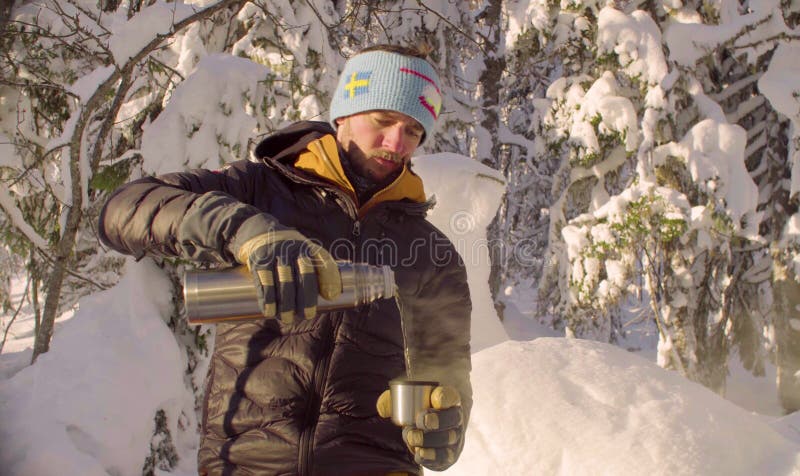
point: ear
(339, 121)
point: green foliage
(584, 159)
(645, 227)
(645, 221)
(595, 121)
(109, 177)
(710, 12)
(608, 60)
(14, 240)
(163, 454)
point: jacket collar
(321, 159)
(310, 148)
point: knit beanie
(389, 81)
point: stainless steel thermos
(213, 296)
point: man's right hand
(289, 271)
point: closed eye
(414, 132)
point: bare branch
(16, 313)
(72, 272)
(469, 37)
(782, 36)
(14, 217)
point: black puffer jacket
(301, 399)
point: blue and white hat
(389, 81)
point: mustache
(387, 155)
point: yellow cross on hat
(357, 80)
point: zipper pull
(356, 228)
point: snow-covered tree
(661, 137)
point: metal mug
(409, 398)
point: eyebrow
(397, 116)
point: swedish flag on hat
(389, 81)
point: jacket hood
(285, 144)
(311, 147)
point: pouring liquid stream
(405, 332)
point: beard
(370, 165)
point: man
(296, 393)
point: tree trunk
(62, 260)
(787, 336)
(491, 82)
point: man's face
(378, 143)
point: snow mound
(88, 405)
(468, 194)
(576, 407)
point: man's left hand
(437, 438)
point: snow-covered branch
(17, 219)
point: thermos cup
(213, 296)
(409, 397)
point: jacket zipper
(305, 466)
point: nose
(394, 138)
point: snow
(14, 215)
(189, 131)
(6, 147)
(714, 154)
(600, 103)
(688, 40)
(132, 35)
(576, 407)
(521, 15)
(85, 86)
(87, 406)
(636, 39)
(781, 86)
(467, 196)
(544, 404)
(781, 82)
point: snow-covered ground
(544, 404)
